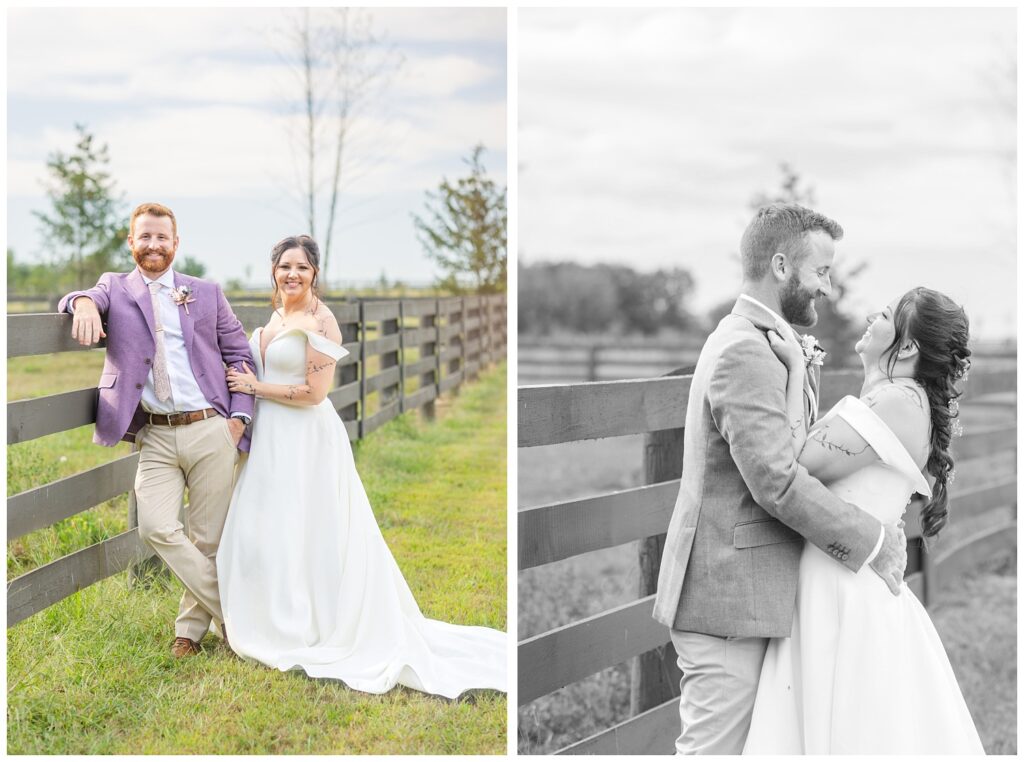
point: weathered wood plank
(345, 312)
(41, 333)
(352, 429)
(390, 343)
(450, 353)
(344, 395)
(966, 503)
(450, 381)
(34, 418)
(554, 659)
(383, 380)
(983, 442)
(651, 732)
(381, 417)
(374, 311)
(569, 413)
(50, 503)
(42, 587)
(552, 532)
(419, 307)
(990, 380)
(951, 564)
(449, 331)
(426, 364)
(420, 397)
(418, 335)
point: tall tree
(87, 227)
(464, 230)
(340, 65)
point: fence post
(346, 374)
(362, 367)
(460, 361)
(655, 674)
(431, 377)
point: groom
(163, 387)
(729, 571)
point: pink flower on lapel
(182, 296)
(813, 353)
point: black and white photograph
(766, 368)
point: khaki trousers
(201, 456)
(717, 690)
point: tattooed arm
(834, 449)
(319, 369)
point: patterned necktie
(161, 381)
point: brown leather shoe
(184, 647)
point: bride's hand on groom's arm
(241, 382)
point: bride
(306, 579)
(864, 671)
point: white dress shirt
(185, 392)
(782, 321)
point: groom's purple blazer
(213, 337)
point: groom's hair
(157, 210)
(781, 228)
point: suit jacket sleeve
(234, 350)
(747, 398)
(100, 294)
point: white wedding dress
(306, 579)
(864, 671)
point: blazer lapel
(765, 320)
(139, 291)
(187, 326)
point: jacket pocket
(751, 534)
(107, 381)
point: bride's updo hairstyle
(939, 328)
(312, 252)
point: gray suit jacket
(734, 542)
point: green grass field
(93, 674)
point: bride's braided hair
(939, 328)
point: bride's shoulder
(322, 322)
(903, 406)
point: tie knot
(154, 287)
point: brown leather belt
(180, 419)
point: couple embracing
(282, 549)
(782, 575)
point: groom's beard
(798, 303)
(152, 264)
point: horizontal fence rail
(557, 414)
(433, 345)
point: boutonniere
(182, 296)
(813, 353)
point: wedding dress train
(864, 671)
(306, 579)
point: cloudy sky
(644, 134)
(196, 107)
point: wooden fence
(657, 408)
(557, 361)
(454, 339)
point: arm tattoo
(821, 436)
(294, 390)
(796, 426)
(314, 367)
